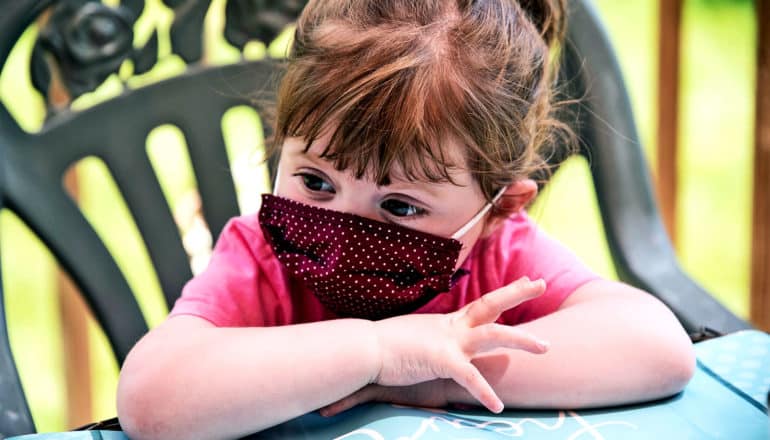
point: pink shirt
(245, 285)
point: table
(726, 399)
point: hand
(430, 394)
(422, 347)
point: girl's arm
(609, 344)
(189, 379)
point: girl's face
(436, 208)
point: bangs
(420, 88)
(382, 102)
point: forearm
(213, 382)
(619, 347)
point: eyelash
(306, 176)
(417, 211)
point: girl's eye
(401, 209)
(315, 183)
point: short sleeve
(243, 284)
(535, 254)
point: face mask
(359, 267)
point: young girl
(394, 261)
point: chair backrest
(640, 247)
(116, 131)
(82, 42)
(87, 41)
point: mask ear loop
(472, 222)
(277, 179)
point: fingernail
(543, 345)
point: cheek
(287, 189)
(469, 240)
(290, 190)
(285, 186)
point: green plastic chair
(90, 40)
(640, 247)
(16, 418)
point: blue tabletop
(726, 399)
(742, 360)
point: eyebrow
(312, 157)
(419, 186)
(427, 187)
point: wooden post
(760, 253)
(75, 343)
(670, 21)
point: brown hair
(393, 79)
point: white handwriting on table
(505, 428)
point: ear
(516, 197)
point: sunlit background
(714, 212)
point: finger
(342, 405)
(361, 396)
(468, 376)
(488, 337)
(490, 306)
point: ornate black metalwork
(147, 56)
(86, 41)
(187, 29)
(259, 20)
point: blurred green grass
(716, 134)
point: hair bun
(548, 16)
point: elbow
(681, 368)
(668, 351)
(133, 423)
(676, 366)
(138, 415)
(145, 401)
(151, 402)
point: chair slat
(42, 204)
(248, 83)
(136, 178)
(212, 169)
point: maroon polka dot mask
(358, 267)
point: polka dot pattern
(741, 358)
(358, 267)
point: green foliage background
(717, 96)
